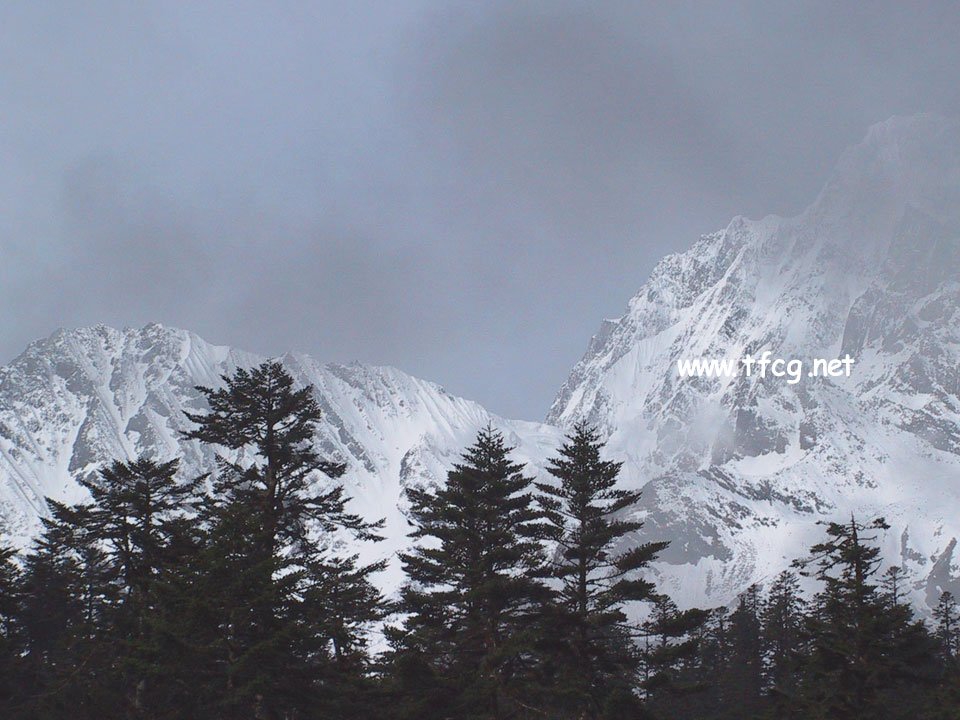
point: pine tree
(67, 597)
(473, 591)
(783, 620)
(260, 414)
(178, 652)
(707, 675)
(340, 606)
(945, 701)
(135, 511)
(11, 632)
(868, 657)
(672, 680)
(743, 676)
(893, 582)
(947, 632)
(719, 673)
(268, 509)
(584, 509)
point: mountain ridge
(735, 471)
(738, 467)
(78, 399)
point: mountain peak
(904, 161)
(83, 397)
(926, 127)
(735, 471)
(739, 467)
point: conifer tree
(584, 510)
(947, 629)
(945, 701)
(135, 510)
(743, 678)
(783, 619)
(134, 505)
(706, 679)
(272, 500)
(67, 597)
(11, 632)
(670, 658)
(893, 582)
(867, 656)
(260, 414)
(179, 651)
(340, 605)
(473, 591)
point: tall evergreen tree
(11, 633)
(945, 701)
(743, 676)
(473, 590)
(783, 619)
(179, 651)
(271, 425)
(673, 683)
(268, 508)
(585, 509)
(868, 657)
(136, 510)
(67, 599)
(947, 629)
(340, 604)
(893, 582)
(714, 648)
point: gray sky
(462, 190)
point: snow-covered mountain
(738, 469)
(80, 398)
(735, 471)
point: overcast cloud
(462, 190)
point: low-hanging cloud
(459, 190)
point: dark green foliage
(893, 584)
(944, 703)
(260, 413)
(12, 637)
(868, 658)
(165, 598)
(671, 657)
(474, 594)
(161, 600)
(270, 652)
(138, 509)
(92, 596)
(782, 618)
(947, 629)
(339, 603)
(594, 647)
(67, 601)
(742, 679)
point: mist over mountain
(735, 471)
(738, 468)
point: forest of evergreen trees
(224, 597)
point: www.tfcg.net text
(763, 365)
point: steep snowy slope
(81, 398)
(737, 470)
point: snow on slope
(738, 470)
(735, 471)
(81, 398)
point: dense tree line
(225, 597)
